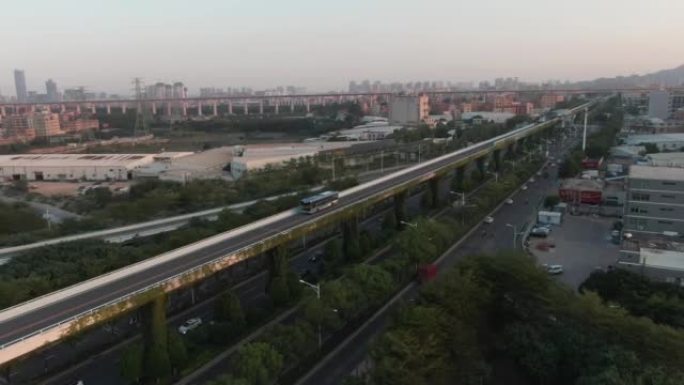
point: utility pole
(140, 118)
(584, 135)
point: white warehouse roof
(128, 161)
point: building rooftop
(584, 184)
(74, 160)
(656, 173)
(656, 138)
(665, 259)
(665, 157)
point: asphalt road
(45, 316)
(500, 237)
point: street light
(462, 194)
(414, 225)
(515, 234)
(317, 289)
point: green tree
(131, 365)
(259, 363)
(178, 353)
(228, 379)
(157, 363)
(228, 309)
(551, 201)
(651, 148)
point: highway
(18, 322)
(351, 355)
(103, 367)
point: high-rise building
(20, 84)
(410, 110)
(663, 104)
(52, 93)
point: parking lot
(580, 244)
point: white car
(509, 201)
(553, 269)
(532, 180)
(539, 173)
(192, 323)
(488, 220)
(524, 187)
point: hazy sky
(323, 44)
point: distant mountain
(666, 78)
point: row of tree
(501, 319)
(286, 349)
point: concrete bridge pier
(109, 109)
(230, 107)
(276, 108)
(123, 108)
(214, 109)
(154, 108)
(245, 107)
(199, 108)
(261, 107)
(400, 208)
(350, 235)
(434, 191)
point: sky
(322, 44)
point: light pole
(317, 289)
(462, 194)
(414, 225)
(515, 234)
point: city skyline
(323, 47)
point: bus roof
(318, 196)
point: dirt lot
(51, 189)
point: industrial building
(666, 159)
(655, 200)
(479, 117)
(665, 142)
(581, 191)
(250, 158)
(64, 167)
(653, 232)
(409, 110)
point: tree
(157, 363)
(651, 148)
(259, 363)
(132, 363)
(228, 309)
(551, 201)
(178, 354)
(228, 379)
(279, 291)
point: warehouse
(62, 167)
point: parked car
(509, 201)
(524, 187)
(488, 220)
(540, 232)
(532, 180)
(553, 269)
(192, 323)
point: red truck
(427, 272)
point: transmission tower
(141, 126)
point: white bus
(319, 201)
